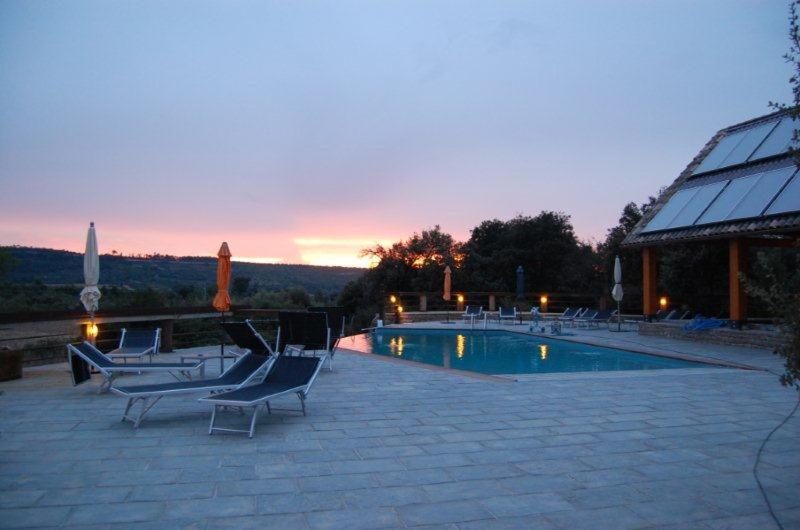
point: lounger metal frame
(513, 317)
(152, 350)
(109, 373)
(301, 391)
(149, 399)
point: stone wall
(755, 338)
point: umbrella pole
(221, 346)
(619, 317)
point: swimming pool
(501, 352)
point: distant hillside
(61, 267)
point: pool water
(500, 352)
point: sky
(303, 132)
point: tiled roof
(788, 223)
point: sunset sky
(302, 132)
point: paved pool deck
(393, 444)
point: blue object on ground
(700, 323)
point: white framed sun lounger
(247, 369)
(287, 375)
(507, 313)
(135, 344)
(90, 355)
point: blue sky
(304, 131)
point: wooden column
(166, 335)
(737, 261)
(649, 282)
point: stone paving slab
(399, 445)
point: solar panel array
(767, 139)
(765, 193)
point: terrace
(394, 444)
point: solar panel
(778, 141)
(714, 159)
(721, 208)
(761, 194)
(671, 209)
(697, 204)
(748, 144)
(788, 200)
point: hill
(60, 267)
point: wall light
(460, 299)
(399, 309)
(543, 299)
(662, 302)
(393, 299)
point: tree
(779, 284)
(240, 286)
(545, 245)
(6, 263)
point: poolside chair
(90, 357)
(568, 320)
(473, 313)
(507, 313)
(245, 337)
(304, 332)
(337, 321)
(244, 371)
(600, 317)
(675, 315)
(585, 317)
(663, 314)
(136, 343)
(568, 314)
(287, 375)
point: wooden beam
(649, 281)
(737, 262)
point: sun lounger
(136, 343)
(337, 320)
(287, 375)
(473, 313)
(663, 314)
(245, 337)
(585, 317)
(507, 313)
(600, 317)
(88, 356)
(579, 313)
(247, 369)
(568, 314)
(306, 332)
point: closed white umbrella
(90, 295)
(616, 292)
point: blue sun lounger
(84, 356)
(244, 371)
(287, 375)
(136, 343)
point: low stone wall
(754, 338)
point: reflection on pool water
(501, 352)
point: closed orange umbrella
(222, 300)
(448, 283)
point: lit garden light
(543, 303)
(92, 331)
(663, 302)
(393, 299)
